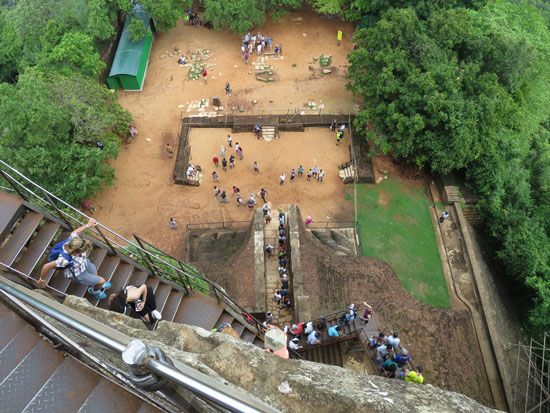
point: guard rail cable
(213, 391)
(118, 244)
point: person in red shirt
(297, 329)
(216, 161)
(204, 74)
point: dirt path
(143, 198)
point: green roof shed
(131, 58)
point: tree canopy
(241, 16)
(465, 89)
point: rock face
(314, 387)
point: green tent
(131, 58)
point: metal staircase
(34, 219)
(35, 377)
(329, 350)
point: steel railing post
(13, 185)
(61, 215)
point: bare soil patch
(143, 197)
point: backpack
(58, 250)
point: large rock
(315, 387)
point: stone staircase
(35, 377)
(27, 233)
(272, 279)
(347, 173)
(195, 179)
(472, 216)
(269, 133)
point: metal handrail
(204, 386)
(123, 249)
(32, 280)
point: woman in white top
(139, 300)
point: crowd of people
(226, 158)
(313, 333)
(282, 294)
(258, 43)
(393, 360)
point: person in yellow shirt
(415, 376)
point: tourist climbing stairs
(329, 350)
(272, 278)
(269, 133)
(36, 377)
(27, 233)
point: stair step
(11, 208)
(119, 280)
(248, 336)
(65, 390)
(153, 283)
(198, 310)
(225, 317)
(161, 295)
(23, 382)
(10, 326)
(138, 277)
(237, 326)
(37, 248)
(107, 397)
(17, 348)
(19, 238)
(172, 304)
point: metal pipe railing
(9, 268)
(123, 246)
(203, 386)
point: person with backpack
(139, 300)
(70, 255)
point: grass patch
(395, 226)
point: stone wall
(314, 387)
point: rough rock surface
(321, 387)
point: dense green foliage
(241, 16)
(50, 124)
(467, 89)
(355, 10)
(53, 110)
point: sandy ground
(143, 196)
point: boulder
(320, 388)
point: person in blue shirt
(314, 338)
(334, 331)
(402, 358)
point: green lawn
(395, 226)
